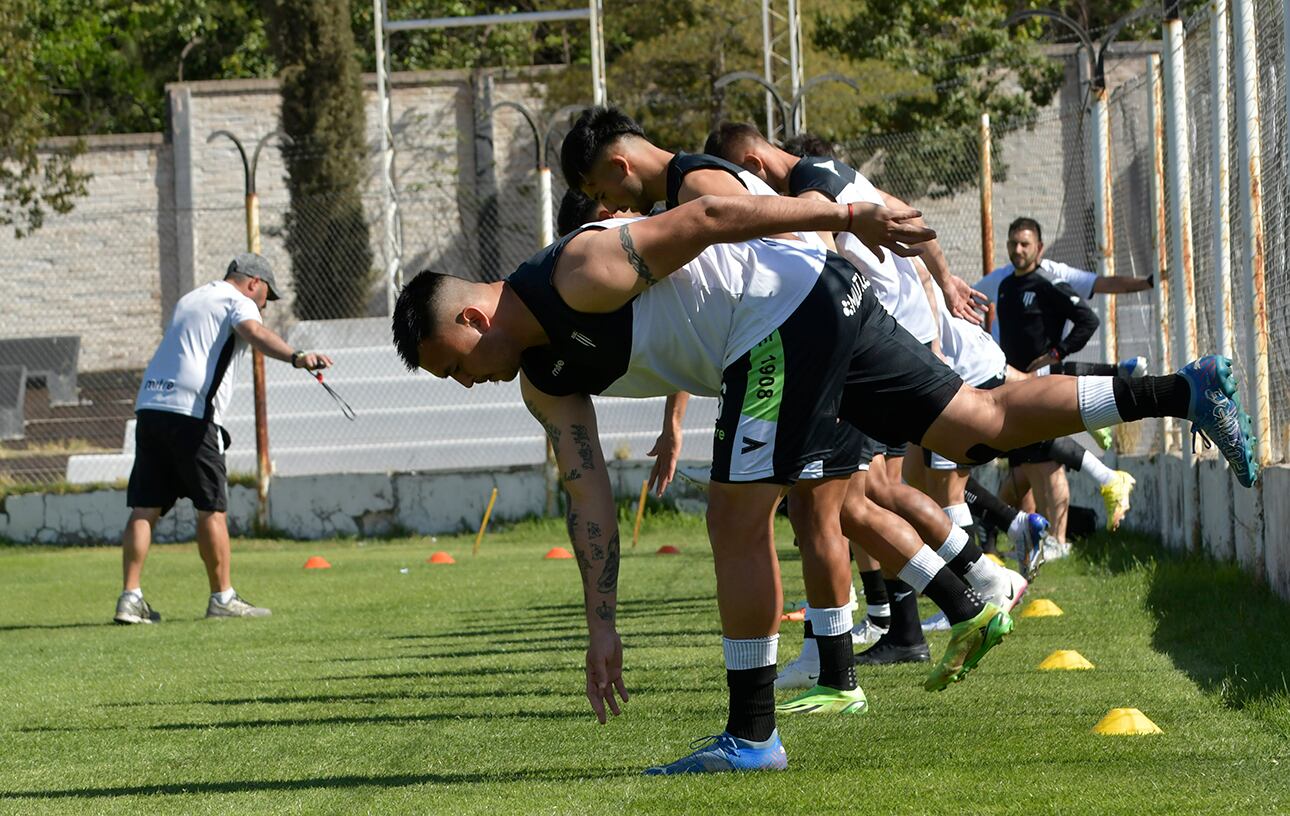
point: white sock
(225, 596)
(1017, 529)
(953, 545)
(982, 574)
(959, 515)
(1097, 402)
(136, 593)
(919, 570)
(1094, 467)
(750, 653)
(879, 610)
(829, 622)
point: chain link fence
(72, 347)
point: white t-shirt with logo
(193, 370)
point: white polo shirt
(193, 370)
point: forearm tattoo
(634, 257)
(552, 430)
(605, 612)
(582, 439)
(609, 576)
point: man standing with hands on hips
(179, 434)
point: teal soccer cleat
(1215, 413)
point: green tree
(322, 113)
(970, 64)
(32, 181)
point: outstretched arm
(570, 424)
(600, 271)
(1120, 285)
(963, 301)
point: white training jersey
(678, 335)
(971, 352)
(193, 370)
(1081, 280)
(895, 279)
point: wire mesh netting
(468, 201)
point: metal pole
(1160, 301)
(1177, 160)
(598, 92)
(987, 199)
(767, 67)
(389, 204)
(1103, 204)
(1252, 272)
(1219, 192)
(795, 65)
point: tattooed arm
(601, 270)
(592, 519)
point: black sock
(875, 595)
(977, 537)
(1068, 452)
(752, 703)
(955, 598)
(837, 661)
(961, 563)
(989, 506)
(809, 633)
(905, 629)
(1142, 397)
(1086, 369)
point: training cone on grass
(1065, 659)
(1041, 608)
(1125, 722)
(317, 562)
(440, 557)
(795, 615)
(667, 549)
(557, 552)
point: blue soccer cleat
(1029, 547)
(1133, 367)
(723, 753)
(1215, 413)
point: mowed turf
(458, 689)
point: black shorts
(852, 452)
(777, 419)
(895, 387)
(177, 456)
(1031, 454)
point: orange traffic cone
(558, 552)
(668, 549)
(440, 557)
(317, 562)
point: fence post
(1160, 301)
(987, 199)
(1177, 166)
(1219, 187)
(1103, 213)
(1252, 271)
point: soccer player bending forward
(792, 340)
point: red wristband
(851, 213)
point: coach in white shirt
(179, 433)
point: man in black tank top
(476, 332)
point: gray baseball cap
(254, 266)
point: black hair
(595, 129)
(728, 136)
(1026, 223)
(808, 144)
(576, 209)
(414, 313)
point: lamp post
(263, 469)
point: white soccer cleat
(1004, 588)
(801, 673)
(1055, 550)
(866, 632)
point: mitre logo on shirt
(583, 339)
(828, 165)
(1027, 299)
(557, 368)
(158, 385)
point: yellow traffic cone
(1065, 659)
(1041, 608)
(1125, 721)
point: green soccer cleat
(969, 641)
(1115, 496)
(826, 700)
(1103, 437)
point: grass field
(457, 689)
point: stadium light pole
(263, 467)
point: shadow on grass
(1217, 624)
(22, 627)
(324, 783)
(304, 722)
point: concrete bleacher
(405, 421)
